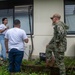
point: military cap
(55, 15)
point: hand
(53, 58)
(7, 51)
(50, 63)
(47, 46)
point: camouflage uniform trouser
(59, 58)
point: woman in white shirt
(3, 29)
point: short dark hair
(16, 22)
(3, 19)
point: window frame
(12, 4)
(68, 2)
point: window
(70, 15)
(22, 10)
(24, 14)
(8, 13)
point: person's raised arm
(1, 31)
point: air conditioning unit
(27, 51)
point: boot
(50, 62)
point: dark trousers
(15, 60)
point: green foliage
(38, 74)
(34, 62)
(70, 65)
(3, 69)
(69, 62)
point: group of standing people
(12, 41)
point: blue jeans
(3, 51)
(15, 60)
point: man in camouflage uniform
(58, 44)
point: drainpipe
(29, 13)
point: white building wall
(43, 30)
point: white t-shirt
(2, 27)
(16, 37)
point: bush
(69, 62)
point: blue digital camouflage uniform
(58, 45)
